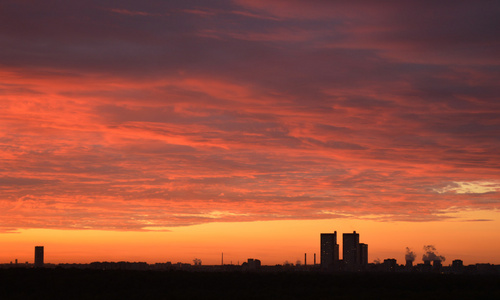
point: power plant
(354, 259)
(354, 253)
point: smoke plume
(430, 255)
(410, 255)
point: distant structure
(409, 264)
(363, 255)
(409, 258)
(38, 256)
(354, 253)
(251, 265)
(437, 265)
(329, 251)
(431, 255)
(350, 253)
(197, 262)
(457, 266)
(457, 263)
(390, 265)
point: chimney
(409, 263)
(436, 265)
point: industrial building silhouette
(354, 253)
(38, 256)
(354, 259)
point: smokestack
(409, 257)
(222, 259)
(305, 259)
(437, 264)
(314, 258)
(409, 263)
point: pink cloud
(131, 13)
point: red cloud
(303, 113)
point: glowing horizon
(141, 121)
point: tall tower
(350, 253)
(329, 250)
(38, 256)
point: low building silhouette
(251, 265)
(437, 265)
(457, 266)
(390, 265)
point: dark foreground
(93, 284)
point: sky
(168, 130)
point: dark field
(92, 284)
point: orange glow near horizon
(273, 242)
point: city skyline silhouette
(167, 131)
(355, 258)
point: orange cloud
(139, 120)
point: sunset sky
(167, 130)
